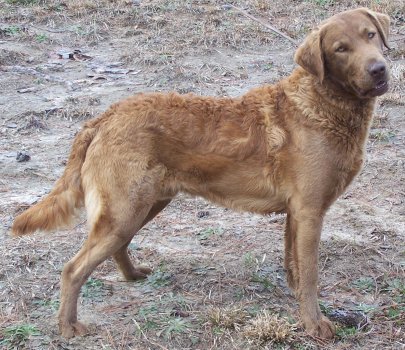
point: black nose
(377, 69)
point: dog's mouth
(379, 89)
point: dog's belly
(252, 204)
(252, 195)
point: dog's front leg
(290, 254)
(308, 225)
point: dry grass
(268, 328)
(229, 317)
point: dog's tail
(58, 207)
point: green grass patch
(12, 30)
(325, 308)
(174, 327)
(383, 136)
(159, 317)
(393, 312)
(160, 277)
(50, 304)
(263, 281)
(364, 284)
(206, 234)
(14, 337)
(367, 309)
(249, 260)
(41, 38)
(93, 288)
(345, 332)
(395, 286)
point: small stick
(263, 23)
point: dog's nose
(377, 69)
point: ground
(218, 280)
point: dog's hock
(309, 55)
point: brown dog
(292, 147)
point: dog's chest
(345, 162)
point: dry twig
(264, 24)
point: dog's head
(347, 49)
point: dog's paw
(138, 273)
(323, 328)
(70, 330)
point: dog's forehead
(350, 16)
(350, 24)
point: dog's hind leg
(105, 239)
(117, 208)
(131, 272)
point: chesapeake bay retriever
(292, 147)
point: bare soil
(218, 281)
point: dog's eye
(371, 35)
(341, 49)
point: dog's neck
(323, 107)
(333, 99)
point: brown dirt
(218, 277)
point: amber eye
(341, 49)
(371, 35)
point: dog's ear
(309, 55)
(382, 22)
